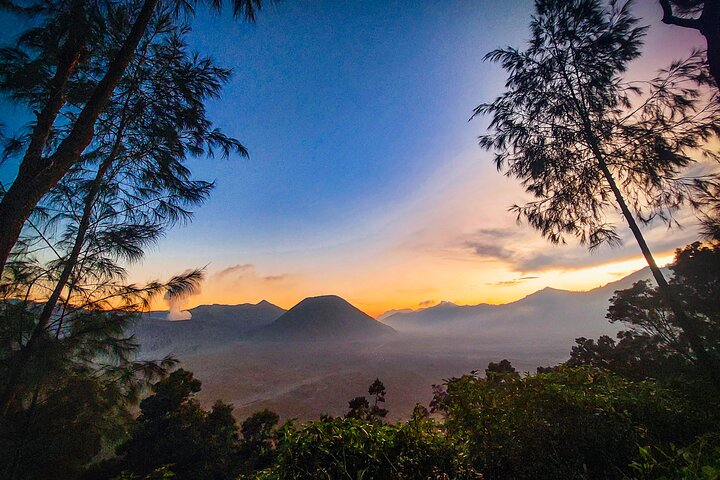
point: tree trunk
(36, 176)
(23, 357)
(710, 28)
(708, 24)
(70, 54)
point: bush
(352, 448)
(569, 423)
(697, 461)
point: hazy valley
(313, 358)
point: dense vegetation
(119, 98)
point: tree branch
(670, 19)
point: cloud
(247, 282)
(245, 271)
(427, 303)
(491, 243)
(236, 270)
(526, 251)
(489, 250)
(541, 261)
(496, 233)
(514, 281)
(274, 278)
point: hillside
(324, 318)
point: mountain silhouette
(324, 318)
(550, 315)
(210, 326)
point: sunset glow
(377, 191)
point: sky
(364, 178)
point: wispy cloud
(235, 271)
(489, 250)
(426, 303)
(274, 278)
(512, 282)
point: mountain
(325, 318)
(242, 318)
(210, 326)
(548, 316)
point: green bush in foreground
(568, 423)
(698, 461)
(360, 449)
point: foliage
(72, 398)
(174, 431)
(360, 408)
(654, 345)
(161, 473)
(587, 145)
(584, 142)
(697, 461)
(258, 440)
(71, 44)
(570, 423)
(377, 389)
(66, 304)
(360, 449)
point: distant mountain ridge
(549, 315)
(324, 318)
(210, 326)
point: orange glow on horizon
(469, 285)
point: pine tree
(583, 142)
(67, 50)
(129, 188)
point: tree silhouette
(173, 429)
(131, 185)
(499, 372)
(583, 142)
(69, 55)
(74, 397)
(358, 408)
(700, 15)
(654, 345)
(377, 389)
(258, 437)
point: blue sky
(345, 107)
(364, 178)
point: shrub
(569, 423)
